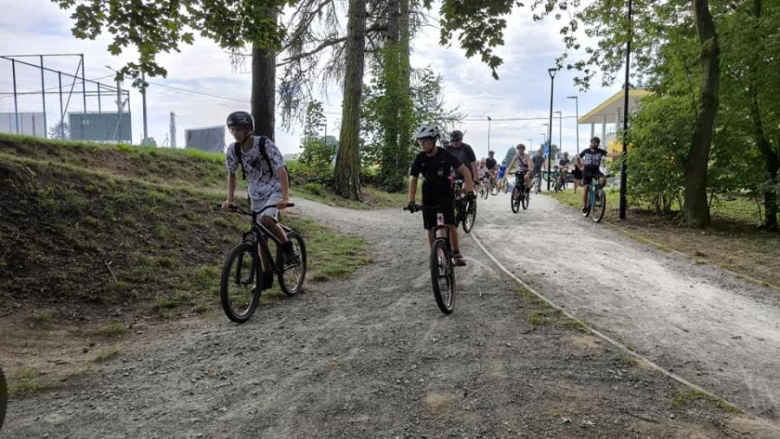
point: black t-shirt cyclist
(436, 171)
(592, 160)
(466, 156)
(490, 163)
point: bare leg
(453, 236)
(273, 226)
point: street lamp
(530, 145)
(560, 131)
(623, 185)
(577, 121)
(489, 120)
(551, 71)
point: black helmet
(240, 118)
(456, 135)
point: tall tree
(346, 181)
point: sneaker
(459, 260)
(584, 210)
(290, 258)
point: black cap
(456, 135)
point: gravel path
(717, 331)
(372, 356)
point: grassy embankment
(732, 242)
(88, 228)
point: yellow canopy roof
(611, 106)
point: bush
(314, 188)
(302, 173)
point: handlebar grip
(290, 204)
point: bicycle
(597, 201)
(3, 397)
(242, 274)
(441, 262)
(519, 194)
(559, 184)
(465, 208)
(483, 191)
(536, 184)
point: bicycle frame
(592, 188)
(259, 233)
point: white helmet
(426, 130)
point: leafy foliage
(161, 26)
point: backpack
(237, 150)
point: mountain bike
(519, 195)
(441, 262)
(493, 184)
(483, 190)
(3, 397)
(242, 274)
(597, 201)
(465, 208)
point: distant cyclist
(435, 165)
(563, 167)
(524, 164)
(590, 161)
(464, 153)
(492, 166)
(540, 164)
(263, 166)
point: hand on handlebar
(411, 207)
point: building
(609, 114)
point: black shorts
(589, 176)
(430, 215)
(577, 173)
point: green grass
(25, 381)
(113, 329)
(546, 315)
(108, 354)
(372, 198)
(43, 318)
(684, 398)
(144, 223)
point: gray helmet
(240, 118)
(456, 135)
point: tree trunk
(346, 179)
(264, 90)
(695, 209)
(771, 159)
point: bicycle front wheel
(442, 276)
(242, 283)
(470, 216)
(291, 277)
(526, 199)
(516, 197)
(599, 205)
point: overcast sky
(523, 90)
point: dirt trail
(372, 356)
(704, 324)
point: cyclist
(590, 161)
(464, 153)
(563, 166)
(484, 173)
(491, 164)
(436, 165)
(523, 165)
(263, 166)
(540, 164)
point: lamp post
(489, 120)
(551, 71)
(623, 184)
(530, 144)
(577, 119)
(560, 131)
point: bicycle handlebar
(238, 209)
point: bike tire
(442, 269)
(240, 302)
(470, 216)
(525, 200)
(292, 285)
(599, 206)
(515, 200)
(3, 397)
(505, 188)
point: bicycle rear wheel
(516, 199)
(442, 276)
(241, 283)
(470, 216)
(291, 278)
(482, 191)
(525, 200)
(3, 397)
(599, 205)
